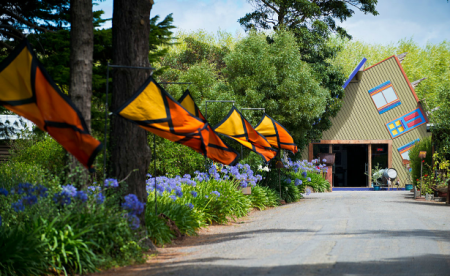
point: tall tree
(20, 18)
(81, 56)
(312, 22)
(130, 151)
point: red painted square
(411, 116)
(415, 122)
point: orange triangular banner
(187, 101)
(235, 126)
(27, 90)
(154, 110)
(276, 134)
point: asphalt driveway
(338, 233)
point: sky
(422, 20)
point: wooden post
(370, 164)
(310, 152)
(390, 155)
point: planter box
(408, 187)
(328, 156)
(247, 190)
(429, 197)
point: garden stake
(279, 181)
(154, 171)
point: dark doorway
(350, 165)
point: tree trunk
(130, 150)
(81, 56)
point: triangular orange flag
(27, 90)
(154, 110)
(276, 134)
(235, 126)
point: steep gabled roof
(355, 71)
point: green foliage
(22, 252)
(68, 251)
(174, 159)
(262, 197)
(283, 185)
(158, 231)
(423, 145)
(286, 87)
(318, 183)
(299, 15)
(12, 173)
(45, 152)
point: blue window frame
(406, 123)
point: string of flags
(27, 90)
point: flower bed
(48, 228)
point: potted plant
(377, 172)
(408, 184)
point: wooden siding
(4, 152)
(359, 119)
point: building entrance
(351, 165)
(354, 159)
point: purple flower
(288, 180)
(30, 200)
(41, 191)
(111, 182)
(62, 198)
(70, 190)
(99, 198)
(308, 191)
(188, 176)
(190, 205)
(194, 193)
(304, 174)
(133, 205)
(23, 188)
(92, 189)
(173, 197)
(178, 192)
(206, 196)
(133, 221)
(3, 192)
(298, 182)
(215, 193)
(18, 206)
(81, 196)
(309, 179)
(324, 160)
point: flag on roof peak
(235, 126)
(27, 90)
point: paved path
(338, 233)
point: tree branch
(13, 30)
(9, 47)
(270, 6)
(26, 22)
(18, 38)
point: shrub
(22, 252)
(45, 152)
(423, 145)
